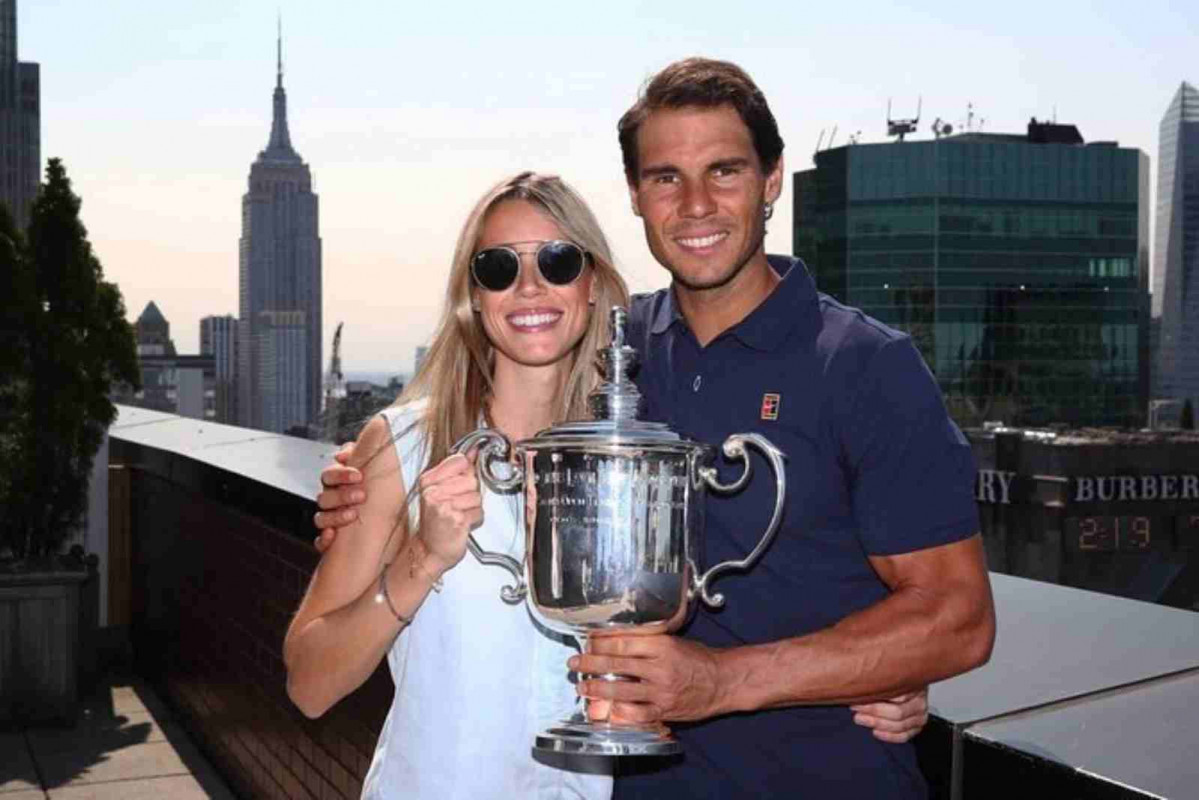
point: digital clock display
(1111, 533)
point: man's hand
(341, 491)
(676, 678)
(896, 720)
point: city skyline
(411, 113)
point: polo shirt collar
(791, 306)
(666, 314)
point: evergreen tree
(1188, 416)
(77, 343)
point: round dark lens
(560, 262)
(495, 269)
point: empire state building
(279, 326)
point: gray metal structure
(1132, 736)
(279, 306)
(175, 444)
(1071, 672)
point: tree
(75, 342)
(1188, 416)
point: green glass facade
(1020, 269)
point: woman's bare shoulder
(374, 451)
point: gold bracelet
(383, 596)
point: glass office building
(1176, 250)
(20, 122)
(1018, 263)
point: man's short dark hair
(702, 83)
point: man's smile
(701, 242)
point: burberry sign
(994, 486)
(1105, 488)
(999, 487)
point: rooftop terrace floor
(127, 744)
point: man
(876, 583)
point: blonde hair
(456, 376)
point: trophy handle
(734, 447)
(493, 445)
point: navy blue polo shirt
(874, 467)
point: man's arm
(938, 621)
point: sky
(408, 111)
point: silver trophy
(614, 525)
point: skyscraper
(153, 333)
(1176, 250)
(218, 338)
(176, 384)
(281, 343)
(280, 274)
(20, 121)
(1017, 262)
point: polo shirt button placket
(696, 383)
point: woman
(475, 678)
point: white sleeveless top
(475, 678)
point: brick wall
(214, 586)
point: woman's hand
(451, 506)
(896, 720)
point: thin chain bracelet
(383, 596)
(413, 558)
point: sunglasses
(561, 263)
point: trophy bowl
(614, 511)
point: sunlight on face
(700, 193)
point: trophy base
(578, 736)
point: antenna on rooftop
(819, 140)
(969, 123)
(902, 127)
(279, 48)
